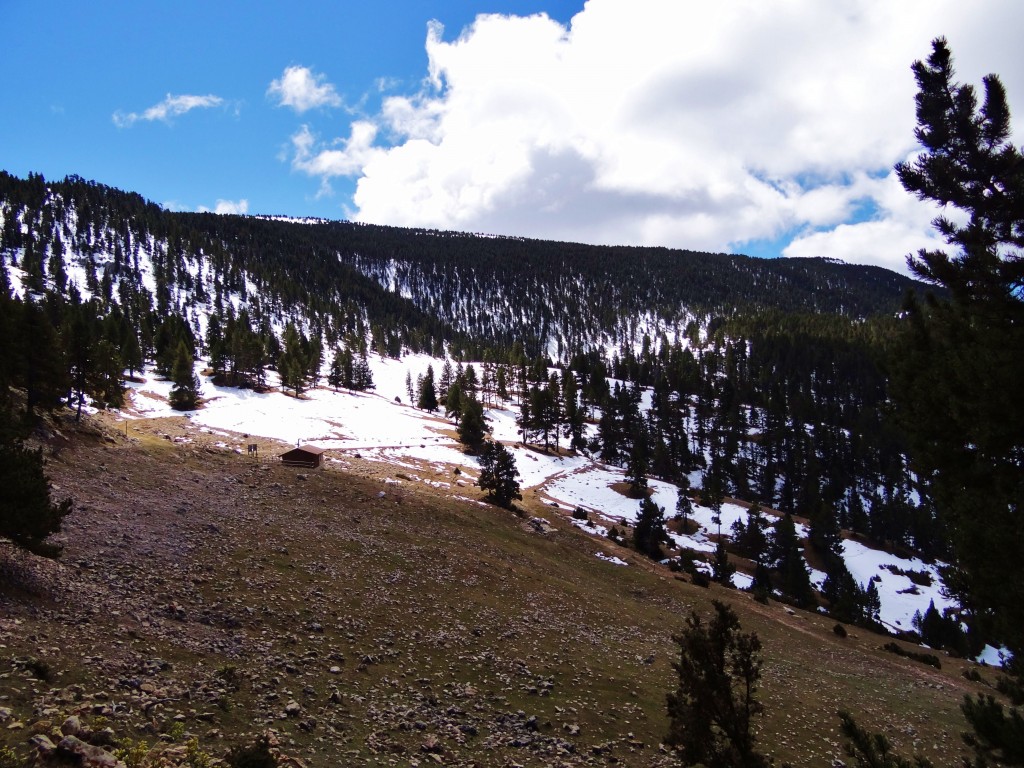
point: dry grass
(447, 624)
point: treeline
(767, 377)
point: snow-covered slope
(382, 426)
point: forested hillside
(761, 380)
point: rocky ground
(205, 598)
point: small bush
(255, 755)
(925, 658)
(700, 579)
(580, 514)
(973, 675)
(840, 630)
(132, 754)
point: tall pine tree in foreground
(959, 372)
(712, 709)
(28, 516)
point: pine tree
(958, 373)
(639, 463)
(472, 426)
(722, 568)
(498, 474)
(185, 391)
(362, 376)
(574, 413)
(342, 374)
(453, 402)
(28, 516)
(788, 562)
(446, 380)
(649, 532)
(427, 396)
(712, 709)
(872, 750)
(684, 505)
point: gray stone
(72, 726)
(86, 755)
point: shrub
(925, 658)
(255, 755)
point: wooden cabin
(308, 456)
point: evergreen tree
(574, 412)
(649, 532)
(453, 402)
(185, 391)
(824, 534)
(446, 381)
(712, 709)
(472, 426)
(498, 474)
(42, 365)
(872, 750)
(292, 364)
(427, 396)
(362, 376)
(788, 562)
(636, 469)
(28, 516)
(958, 373)
(847, 600)
(342, 373)
(502, 383)
(722, 568)
(751, 538)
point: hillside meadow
(204, 598)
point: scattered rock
(86, 755)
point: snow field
(381, 429)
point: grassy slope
(451, 624)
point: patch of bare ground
(203, 593)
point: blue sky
(756, 126)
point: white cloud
(170, 107)
(239, 207)
(302, 90)
(670, 122)
(342, 158)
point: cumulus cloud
(662, 122)
(239, 207)
(170, 107)
(302, 90)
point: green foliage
(27, 514)
(849, 602)
(872, 750)
(788, 563)
(255, 755)
(925, 658)
(472, 426)
(185, 390)
(649, 532)
(958, 371)
(10, 759)
(132, 753)
(943, 632)
(722, 568)
(998, 732)
(711, 712)
(426, 398)
(498, 474)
